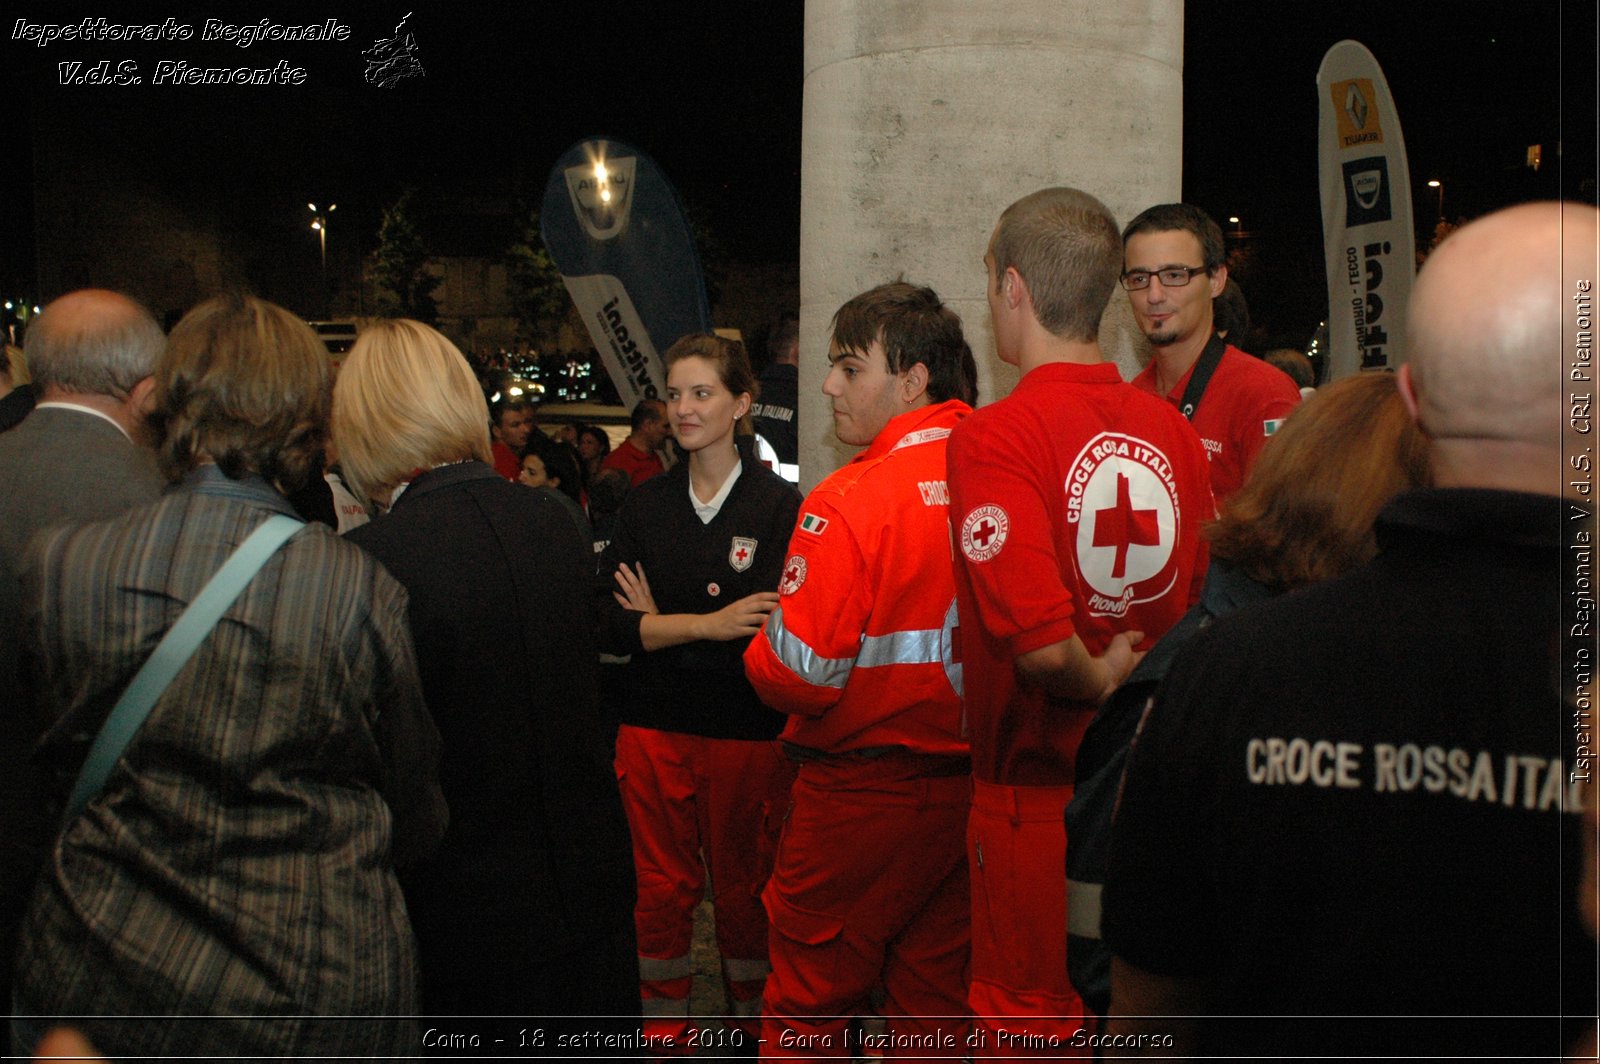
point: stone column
(924, 119)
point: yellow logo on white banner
(1356, 106)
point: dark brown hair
(1305, 514)
(731, 360)
(913, 325)
(599, 436)
(1186, 218)
(645, 411)
(245, 384)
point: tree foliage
(400, 264)
(538, 297)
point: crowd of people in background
(1107, 717)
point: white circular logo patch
(1121, 495)
(983, 533)
(713, 590)
(794, 574)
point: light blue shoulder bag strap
(170, 655)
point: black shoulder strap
(1204, 367)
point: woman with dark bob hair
(593, 445)
(553, 466)
(526, 908)
(237, 863)
(690, 573)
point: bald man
(1358, 801)
(79, 456)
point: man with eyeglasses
(1416, 901)
(1173, 266)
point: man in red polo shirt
(511, 422)
(1173, 266)
(1075, 508)
(636, 455)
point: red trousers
(698, 805)
(869, 891)
(1021, 996)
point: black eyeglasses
(1171, 277)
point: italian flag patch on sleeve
(813, 524)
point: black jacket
(537, 856)
(696, 688)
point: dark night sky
(713, 89)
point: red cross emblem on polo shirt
(741, 552)
(983, 532)
(791, 574)
(1122, 527)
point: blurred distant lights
(570, 381)
(22, 307)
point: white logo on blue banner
(612, 223)
(601, 195)
(620, 337)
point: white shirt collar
(707, 510)
(62, 404)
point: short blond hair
(1064, 245)
(405, 400)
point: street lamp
(319, 222)
(1440, 186)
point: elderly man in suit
(79, 456)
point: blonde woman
(526, 908)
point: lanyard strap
(170, 655)
(1204, 367)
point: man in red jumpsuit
(870, 887)
(1075, 508)
(1173, 267)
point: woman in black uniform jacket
(525, 909)
(687, 580)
